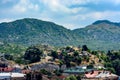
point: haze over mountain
(102, 34)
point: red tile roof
(62, 77)
(6, 69)
(26, 71)
(92, 74)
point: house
(100, 74)
(12, 76)
(48, 66)
(62, 77)
(85, 53)
(5, 76)
(6, 69)
(26, 71)
(82, 67)
(99, 66)
(10, 69)
(77, 70)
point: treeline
(111, 60)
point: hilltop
(33, 31)
(102, 34)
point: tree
(68, 48)
(28, 76)
(76, 53)
(90, 66)
(54, 54)
(109, 53)
(58, 72)
(32, 54)
(116, 66)
(60, 63)
(94, 52)
(79, 60)
(108, 64)
(84, 48)
(43, 71)
(38, 76)
(68, 64)
(72, 77)
(8, 56)
(111, 69)
(78, 77)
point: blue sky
(71, 14)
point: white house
(10, 75)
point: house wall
(107, 78)
(23, 78)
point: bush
(32, 54)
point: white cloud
(62, 6)
(82, 20)
(24, 6)
(55, 6)
(105, 14)
(61, 12)
(69, 26)
(6, 1)
(6, 20)
(77, 2)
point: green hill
(32, 31)
(101, 35)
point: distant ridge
(101, 35)
(31, 31)
(107, 22)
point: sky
(71, 14)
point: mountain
(101, 35)
(30, 31)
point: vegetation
(111, 60)
(32, 54)
(17, 37)
(34, 75)
(12, 49)
(23, 55)
(72, 77)
(30, 31)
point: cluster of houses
(8, 73)
(91, 74)
(18, 73)
(100, 75)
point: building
(12, 76)
(6, 69)
(77, 70)
(100, 75)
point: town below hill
(43, 62)
(32, 49)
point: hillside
(102, 34)
(32, 31)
